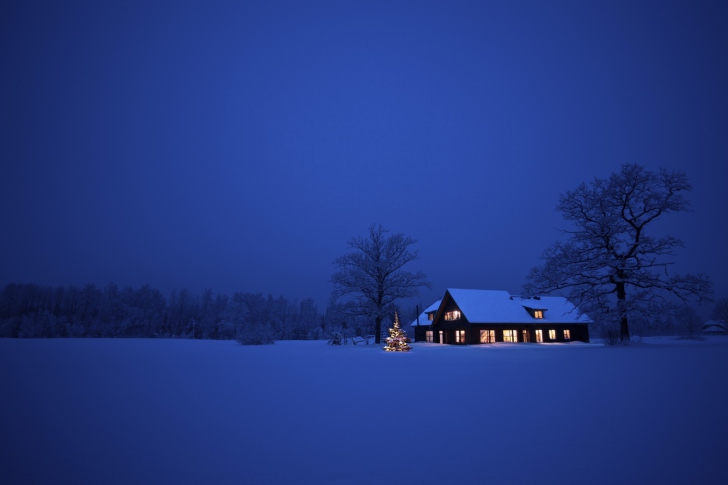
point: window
(487, 336)
(428, 336)
(538, 314)
(525, 336)
(459, 336)
(453, 315)
(567, 334)
(510, 335)
(430, 316)
(539, 336)
(552, 334)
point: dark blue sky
(240, 145)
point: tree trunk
(379, 317)
(378, 330)
(622, 312)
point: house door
(526, 337)
(539, 336)
(442, 337)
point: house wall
(579, 331)
(420, 333)
(448, 327)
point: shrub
(611, 335)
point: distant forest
(34, 311)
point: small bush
(611, 335)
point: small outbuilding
(466, 317)
(715, 327)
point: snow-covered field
(179, 411)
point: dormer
(535, 312)
(432, 310)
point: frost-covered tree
(721, 310)
(253, 319)
(373, 275)
(29, 310)
(608, 264)
(307, 321)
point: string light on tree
(397, 340)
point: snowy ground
(178, 411)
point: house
(424, 322)
(487, 316)
(715, 327)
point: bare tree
(609, 266)
(372, 274)
(721, 310)
(690, 323)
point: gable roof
(495, 306)
(424, 321)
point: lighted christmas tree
(397, 340)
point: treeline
(35, 311)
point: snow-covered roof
(424, 321)
(433, 308)
(495, 306)
(714, 326)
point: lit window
(510, 335)
(453, 315)
(428, 336)
(459, 336)
(538, 314)
(487, 336)
(525, 336)
(539, 336)
(552, 334)
(567, 334)
(430, 316)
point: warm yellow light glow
(459, 336)
(538, 314)
(510, 335)
(539, 336)
(453, 315)
(428, 336)
(567, 334)
(552, 334)
(397, 340)
(487, 336)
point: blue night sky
(239, 145)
